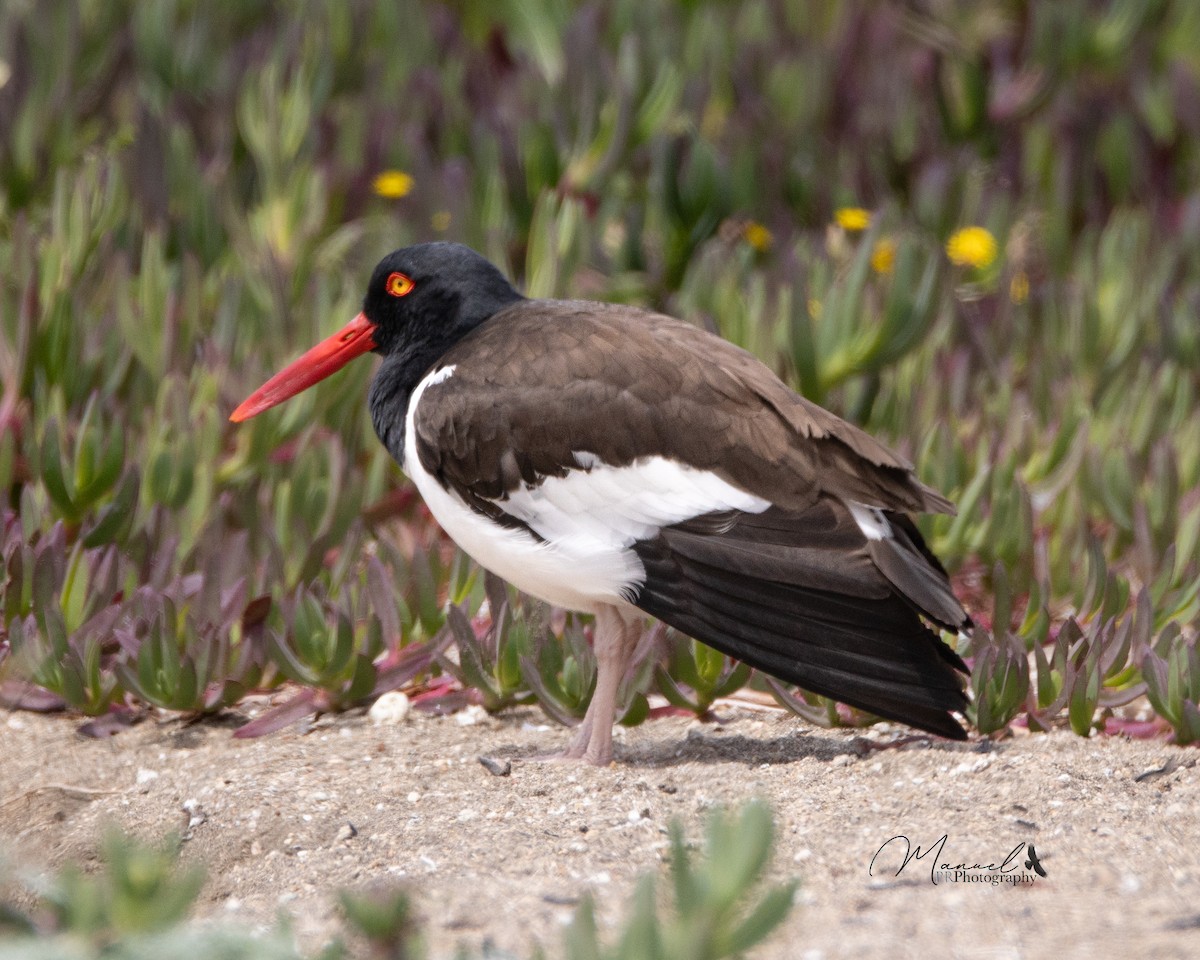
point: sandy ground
(282, 821)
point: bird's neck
(392, 390)
(403, 368)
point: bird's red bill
(328, 356)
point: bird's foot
(591, 745)
(568, 756)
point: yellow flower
(392, 184)
(852, 219)
(440, 221)
(758, 236)
(883, 257)
(972, 247)
(1018, 288)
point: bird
(616, 461)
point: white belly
(553, 572)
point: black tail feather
(813, 608)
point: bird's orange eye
(398, 285)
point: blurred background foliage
(718, 904)
(974, 228)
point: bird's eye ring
(398, 285)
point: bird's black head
(430, 295)
(421, 301)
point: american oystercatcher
(620, 462)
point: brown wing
(544, 380)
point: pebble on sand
(392, 708)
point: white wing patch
(612, 507)
(587, 520)
(871, 521)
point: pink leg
(615, 640)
